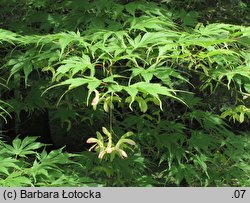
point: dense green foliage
(172, 78)
(21, 165)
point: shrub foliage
(179, 83)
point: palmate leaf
(73, 83)
(132, 7)
(111, 50)
(232, 74)
(155, 89)
(214, 30)
(52, 160)
(65, 39)
(8, 36)
(132, 91)
(16, 179)
(189, 18)
(73, 65)
(201, 161)
(23, 63)
(217, 52)
(149, 38)
(144, 23)
(161, 72)
(142, 104)
(33, 100)
(38, 169)
(145, 7)
(23, 147)
(238, 113)
(8, 163)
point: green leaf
(23, 147)
(74, 65)
(7, 164)
(16, 179)
(142, 104)
(132, 91)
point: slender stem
(111, 114)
